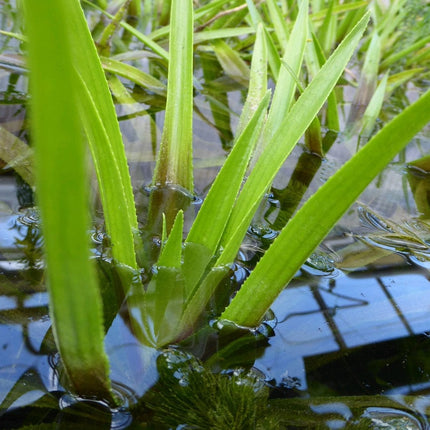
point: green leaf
(293, 125)
(104, 42)
(332, 113)
(62, 194)
(286, 84)
(199, 300)
(258, 80)
(139, 35)
(392, 59)
(327, 31)
(279, 23)
(221, 33)
(374, 107)
(133, 74)
(367, 84)
(339, 9)
(119, 91)
(112, 190)
(313, 138)
(172, 250)
(29, 381)
(174, 161)
(17, 154)
(272, 53)
(394, 81)
(156, 312)
(98, 115)
(231, 62)
(207, 229)
(319, 214)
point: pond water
(349, 334)
(346, 345)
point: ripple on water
(391, 419)
(30, 217)
(100, 411)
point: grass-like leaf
(332, 117)
(279, 23)
(272, 54)
(135, 75)
(257, 81)
(207, 230)
(374, 107)
(62, 195)
(174, 162)
(170, 255)
(280, 146)
(327, 31)
(315, 219)
(367, 84)
(286, 83)
(231, 62)
(221, 33)
(139, 35)
(164, 296)
(101, 126)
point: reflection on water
(353, 324)
(336, 315)
(361, 331)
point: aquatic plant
(71, 104)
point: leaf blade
(62, 191)
(315, 219)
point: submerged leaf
(155, 313)
(17, 155)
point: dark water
(343, 347)
(346, 345)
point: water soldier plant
(71, 106)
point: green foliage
(184, 275)
(174, 162)
(305, 230)
(63, 199)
